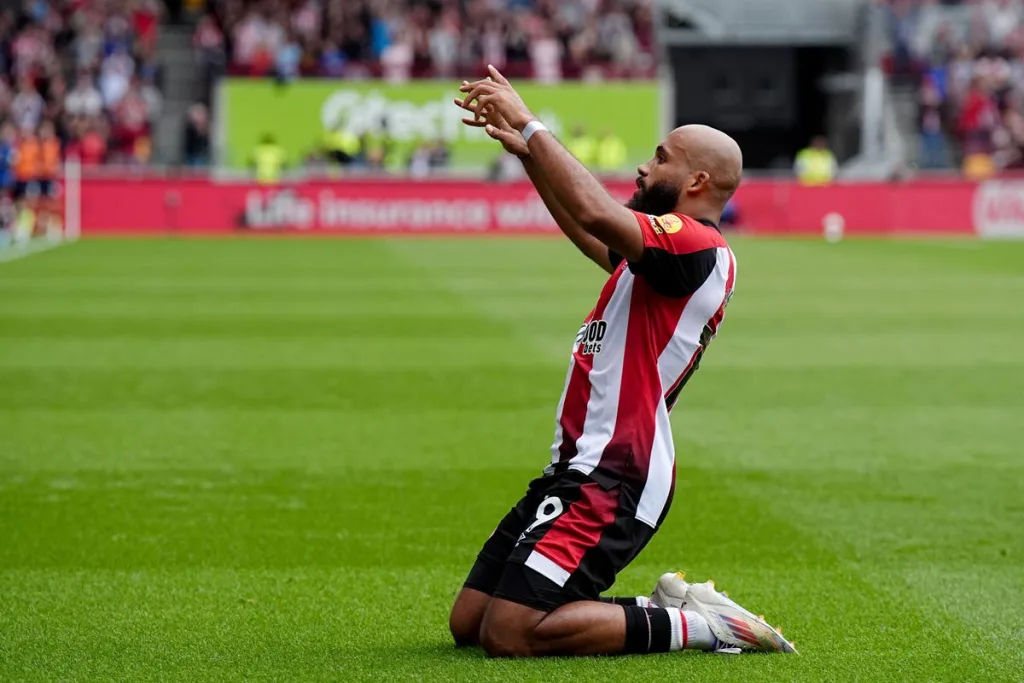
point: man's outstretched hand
(499, 129)
(495, 95)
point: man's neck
(701, 211)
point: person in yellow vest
(581, 145)
(268, 159)
(341, 146)
(816, 164)
(611, 152)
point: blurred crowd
(77, 77)
(967, 60)
(400, 39)
(82, 72)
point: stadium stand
(400, 39)
(89, 68)
(966, 62)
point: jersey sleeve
(679, 253)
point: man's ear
(699, 180)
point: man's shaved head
(695, 171)
(709, 149)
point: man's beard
(658, 199)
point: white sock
(643, 601)
(690, 631)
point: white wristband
(531, 128)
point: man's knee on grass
(505, 640)
(510, 630)
(466, 617)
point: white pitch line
(20, 252)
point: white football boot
(737, 629)
(670, 591)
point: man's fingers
(503, 136)
(469, 105)
(476, 123)
(468, 87)
(496, 75)
(484, 102)
(486, 88)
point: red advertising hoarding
(386, 206)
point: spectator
(505, 168)
(88, 44)
(252, 38)
(287, 59)
(56, 92)
(6, 95)
(440, 154)
(977, 118)
(116, 75)
(197, 136)
(27, 106)
(546, 55)
(49, 173)
(268, 160)
(1009, 137)
(146, 23)
(131, 126)
(8, 151)
(84, 99)
(376, 145)
(1003, 17)
(396, 60)
(89, 144)
(27, 162)
(332, 60)
(444, 45)
(208, 44)
(153, 98)
(582, 146)
(933, 139)
(816, 164)
(420, 161)
(32, 52)
(617, 39)
(611, 152)
(307, 20)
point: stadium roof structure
(819, 22)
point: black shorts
(565, 541)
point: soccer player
(536, 585)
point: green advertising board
(298, 115)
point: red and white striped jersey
(635, 352)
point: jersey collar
(710, 224)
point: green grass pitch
(275, 459)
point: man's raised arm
(577, 191)
(512, 140)
(593, 248)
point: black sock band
(648, 629)
(661, 630)
(638, 631)
(625, 602)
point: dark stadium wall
(770, 98)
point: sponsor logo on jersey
(668, 224)
(590, 336)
